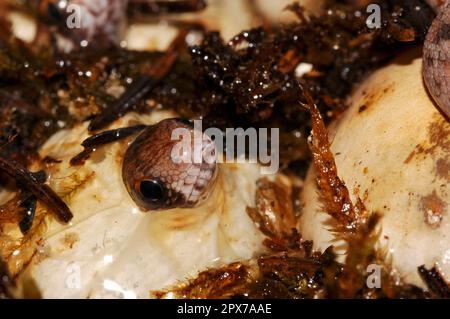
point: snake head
(169, 165)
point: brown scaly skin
(436, 56)
(155, 180)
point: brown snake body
(436, 56)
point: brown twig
(43, 192)
(106, 137)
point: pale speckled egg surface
(392, 149)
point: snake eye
(152, 191)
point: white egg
(392, 149)
(112, 249)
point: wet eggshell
(112, 249)
(392, 149)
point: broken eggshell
(112, 249)
(392, 149)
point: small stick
(93, 142)
(32, 183)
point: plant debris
(41, 191)
(249, 82)
(290, 269)
(437, 285)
